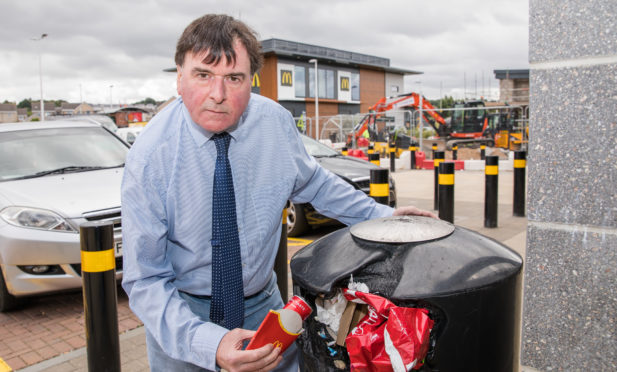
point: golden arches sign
(286, 78)
(278, 344)
(255, 82)
(344, 83)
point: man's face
(215, 95)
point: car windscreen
(317, 149)
(38, 152)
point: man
(218, 145)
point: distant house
(49, 109)
(76, 109)
(8, 112)
(22, 114)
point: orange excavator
(410, 100)
(469, 124)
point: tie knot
(221, 140)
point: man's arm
(148, 275)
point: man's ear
(178, 77)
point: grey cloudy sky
(93, 45)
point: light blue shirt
(167, 217)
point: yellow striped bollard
(412, 151)
(482, 151)
(520, 162)
(446, 191)
(374, 158)
(380, 186)
(438, 157)
(491, 171)
(98, 272)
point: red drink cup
(300, 306)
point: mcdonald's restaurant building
(348, 82)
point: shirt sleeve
(328, 193)
(148, 274)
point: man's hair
(215, 34)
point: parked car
(129, 134)
(103, 120)
(302, 217)
(54, 176)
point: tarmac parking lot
(48, 333)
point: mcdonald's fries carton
(281, 327)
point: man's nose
(217, 91)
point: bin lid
(402, 229)
(408, 270)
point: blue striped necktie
(227, 306)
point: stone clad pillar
(570, 285)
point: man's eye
(235, 79)
(203, 76)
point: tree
(25, 103)
(147, 101)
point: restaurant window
(300, 81)
(327, 83)
(355, 86)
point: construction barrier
(98, 272)
(446, 191)
(520, 162)
(438, 157)
(380, 186)
(280, 262)
(491, 171)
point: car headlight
(34, 218)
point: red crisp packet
(389, 337)
(281, 327)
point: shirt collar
(201, 135)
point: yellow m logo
(286, 78)
(255, 82)
(344, 83)
(277, 343)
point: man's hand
(231, 357)
(412, 211)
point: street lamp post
(110, 101)
(421, 126)
(314, 60)
(43, 36)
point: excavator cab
(470, 122)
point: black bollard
(98, 271)
(434, 149)
(374, 158)
(280, 262)
(520, 162)
(379, 186)
(491, 171)
(482, 152)
(438, 157)
(446, 191)
(454, 152)
(371, 149)
(344, 151)
(412, 150)
(392, 157)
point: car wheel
(7, 300)
(296, 220)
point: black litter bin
(466, 280)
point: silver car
(54, 176)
